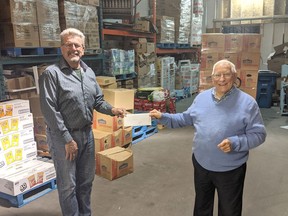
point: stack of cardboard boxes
(31, 23)
(241, 49)
(20, 170)
(114, 157)
(82, 14)
(21, 27)
(145, 63)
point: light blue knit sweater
(237, 117)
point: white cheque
(137, 119)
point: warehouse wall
(273, 34)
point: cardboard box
(41, 140)
(14, 107)
(120, 98)
(233, 42)
(251, 42)
(35, 106)
(49, 35)
(15, 11)
(12, 124)
(250, 61)
(26, 176)
(278, 58)
(105, 80)
(117, 138)
(94, 2)
(106, 122)
(208, 59)
(213, 42)
(234, 57)
(114, 162)
(142, 25)
(19, 35)
(47, 12)
(17, 147)
(249, 78)
(102, 140)
(19, 83)
(39, 125)
(127, 135)
(275, 64)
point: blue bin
(265, 88)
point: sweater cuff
(235, 143)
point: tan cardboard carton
(105, 80)
(106, 122)
(114, 162)
(102, 140)
(117, 138)
(126, 135)
(121, 98)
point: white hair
(225, 61)
(73, 32)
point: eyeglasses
(225, 75)
(70, 45)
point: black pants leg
(229, 186)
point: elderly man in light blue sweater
(227, 123)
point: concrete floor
(162, 183)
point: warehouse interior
(146, 54)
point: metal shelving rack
(33, 61)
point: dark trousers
(229, 186)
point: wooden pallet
(30, 51)
(30, 195)
(166, 45)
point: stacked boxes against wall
(18, 27)
(110, 136)
(29, 23)
(83, 16)
(187, 23)
(241, 49)
(48, 23)
(20, 170)
(145, 63)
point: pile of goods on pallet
(147, 99)
(20, 169)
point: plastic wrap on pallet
(196, 30)
(185, 22)
(166, 27)
(118, 61)
(18, 11)
(84, 18)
